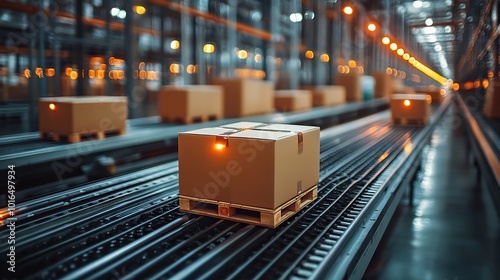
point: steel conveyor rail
(109, 231)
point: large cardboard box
(246, 97)
(410, 109)
(189, 103)
(248, 163)
(491, 107)
(352, 84)
(327, 95)
(383, 84)
(76, 116)
(286, 100)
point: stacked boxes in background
(491, 107)
(383, 84)
(352, 84)
(246, 97)
(327, 95)
(287, 100)
(438, 94)
(410, 109)
(246, 168)
(187, 104)
(74, 117)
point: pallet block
(248, 214)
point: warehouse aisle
(452, 232)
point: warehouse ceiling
(437, 26)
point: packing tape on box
(223, 139)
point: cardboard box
(248, 163)
(246, 97)
(189, 103)
(410, 109)
(292, 100)
(327, 95)
(437, 94)
(80, 115)
(383, 84)
(352, 84)
(491, 107)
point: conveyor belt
(28, 150)
(129, 226)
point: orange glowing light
(372, 27)
(309, 54)
(406, 102)
(386, 40)
(140, 10)
(219, 146)
(393, 46)
(429, 99)
(52, 106)
(348, 10)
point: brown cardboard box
(408, 109)
(327, 95)
(286, 100)
(383, 84)
(491, 107)
(352, 84)
(186, 103)
(258, 165)
(437, 94)
(83, 114)
(246, 97)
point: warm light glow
(52, 106)
(388, 71)
(102, 66)
(309, 54)
(50, 72)
(100, 74)
(175, 44)
(394, 46)
(383, 156)
(455, 87)
(39, 72)
(352, 63)
(191, 69)
(242, 54)
(485, 83)
(208, 48)
(325, 57)
(257, 58)
(142, 74)
(348, 10)
(27, 73)
(406, 102)
(406, 56)
(400, 52)
(175, 68)
(386, 41)
(372, 27)
(411, 60)
(219, 146)
(476, 84)
(429, 99)
(341, 69)
(142, 65)
(91, 73)
(73, 75)
(140, 10)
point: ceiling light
(417, 4)
(296, 17)
(438, 48)
(429, 22)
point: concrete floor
(452, 231)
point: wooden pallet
(408, 122)
(190, 120)
(78, 137)
(248, 214)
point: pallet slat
(77, 137)
(248, 214)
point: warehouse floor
(452, 231)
